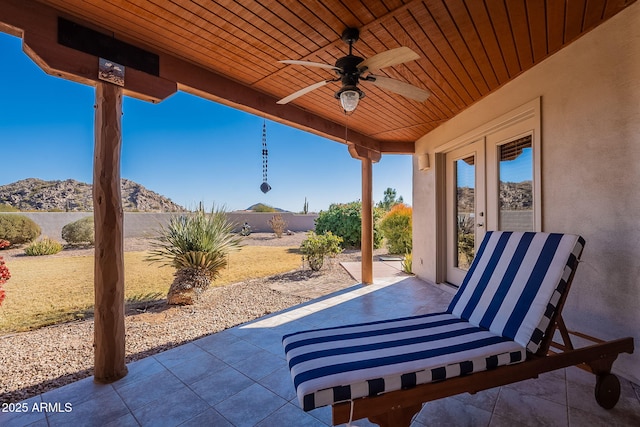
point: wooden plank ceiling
(467, 48)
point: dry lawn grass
(45, 291)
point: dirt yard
(37, 361)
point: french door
(466, 199)
(492, 178)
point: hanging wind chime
(264, 187)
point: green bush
(79, 232)
(316, 246)
(345, 220)
(396, 228)
(46, 246)
(18, 229)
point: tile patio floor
(239, 377)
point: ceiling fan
(353, 69)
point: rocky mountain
(514, 196)
(34, 194)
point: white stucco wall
(590, 103)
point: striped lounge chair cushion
(339, 364)
(515, 281)
(500, 311)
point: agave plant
(197, 245)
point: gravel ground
(38, 361)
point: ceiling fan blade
(401, 88)
(302, 91)
(309, 64)
(388, 58)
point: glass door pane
(515, 199)
(465, 199)
(465, 211)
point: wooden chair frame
(397, 408)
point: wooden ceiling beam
(362, 153)
(402, 147)
(38, 25)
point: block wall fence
(138, 224)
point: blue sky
(516, 170)
(186, 148)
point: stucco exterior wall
(590, 117)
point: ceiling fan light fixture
(349, 98)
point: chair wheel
(607, 390)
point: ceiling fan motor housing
(349, 74)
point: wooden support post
(368, 157)
(109, 333)
(367, 221)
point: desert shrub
(18, 229)
(407, 263)
(79, 232)
(278, 224)
(46, 246)
(197, 245)
(317, 246)
(345, 220)
(396, 228)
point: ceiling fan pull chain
(346, 128)
(264, 187)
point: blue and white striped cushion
(339, 364)
(515, 282)
(500, 311)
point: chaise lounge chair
(498, 329)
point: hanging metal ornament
(264, 187)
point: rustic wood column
(109, 331)
(367, 221)
(368, 157)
